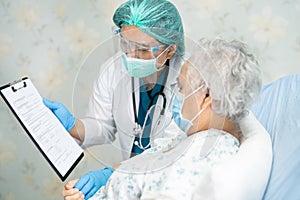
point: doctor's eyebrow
(144, 44)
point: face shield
(147, 65)
(140, 50)
(142, 55)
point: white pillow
(246, 175)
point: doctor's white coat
(111, 106)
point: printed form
(47, 131)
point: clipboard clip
(16, 89)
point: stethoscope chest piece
(137, 129)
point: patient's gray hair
(231, 74)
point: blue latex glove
(62, 113)
(91, 182)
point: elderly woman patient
(214, 90)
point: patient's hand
(71, 193)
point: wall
(49, 41)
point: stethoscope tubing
(139, 129)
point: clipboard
(43, 128)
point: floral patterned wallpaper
(49, 40)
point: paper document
(45, 130)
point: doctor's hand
(71, 193)
(91, 182)
(62, 113)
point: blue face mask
(178, 101)
(181, 122)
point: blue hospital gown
(173, 172)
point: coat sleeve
(99, 123)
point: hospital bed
(264, 168)
(278, 109)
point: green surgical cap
(158, 18)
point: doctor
(132, 93)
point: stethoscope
(138, 129)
